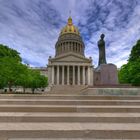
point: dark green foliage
(10, 70)
(10, 63)
(8, 52)
(32, 79)
(14, 73)
(130, 72)
(135, 52)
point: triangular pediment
(71, 58)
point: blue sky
(32, 27)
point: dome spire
(70, 19)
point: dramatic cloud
(32, 27)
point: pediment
(71, 58)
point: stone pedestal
(106, 74)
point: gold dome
(70, 28)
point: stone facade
(70, 66)
(43, 70)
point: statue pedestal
(106, 74)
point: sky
(32, 27)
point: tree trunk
(10, 86)
(23, 89)
(33, 90)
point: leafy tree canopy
(5, 51)
(135, 52)
(10, 70)
(13, 72)
(130, 72)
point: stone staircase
(68, 89)
(69, 117)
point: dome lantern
(69, 28)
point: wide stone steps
(62, 139)
(69, 117)
(67, 102)
(69, 97)
(65, 108)
(71, 130)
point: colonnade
(70, 75)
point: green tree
(10, 70)
(6, 51)
(130, 72)
(23, 78)
(135, 52)
(14, 73)
(10, 66)
(2, 81)
(35, 80)
(30, 78)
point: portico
(70, 75)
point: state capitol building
(70, 66)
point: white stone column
(68, 79)
(83, 75)
(62, 75)
(57, 75)
(52, 74)
(73, 75)
(78, 75)
(89, 75)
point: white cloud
(32, 26)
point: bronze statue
(101, 46)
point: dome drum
(69, 46)
(70, 36)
